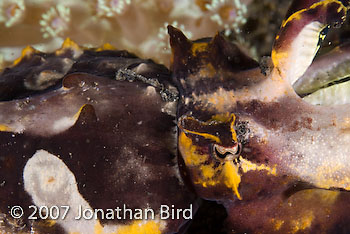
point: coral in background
(134, 25)
(229, 14)
(55, 21)
(11, 12)
(111, 7)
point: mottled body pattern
(274, 173)
(100, 133)
(99, 128)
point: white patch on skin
(150, 90)
(221, 100)
(63, 124)
(170, 108)
(321, 162)
(50, 183)
(141, 68)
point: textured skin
(75, 131)
(114, 139)
(289, 147)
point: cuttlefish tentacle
(330, 67)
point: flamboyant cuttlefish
(251, 143)
(100, 129)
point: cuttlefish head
(210, 151)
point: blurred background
(138, 26)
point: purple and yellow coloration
(101, 129)
(290, 149)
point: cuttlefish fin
(298, 39)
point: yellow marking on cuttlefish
(207, 71)
(325, 177)
(205, 135)
(25, 52)
(189, 151)
(106, 46)
(50, 223)
(229, 176)
(68, 44)
(137, 227)
(229, 173)
(76, 116)
(227, 117)
(303, 223)
(198, 47)
(232, 177)
(297, 15)
(207, 171)
(278, 223)
(4, 128)
(209, 177)
(278, 56)
(222, 117)
(232, 128)
(247, 165)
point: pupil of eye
(220, 155)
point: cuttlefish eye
(210, 151)
(226, 153)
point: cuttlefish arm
(262, 161)
(330, 67)
(298, 40)
(326, 81)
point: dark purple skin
(109, 118)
